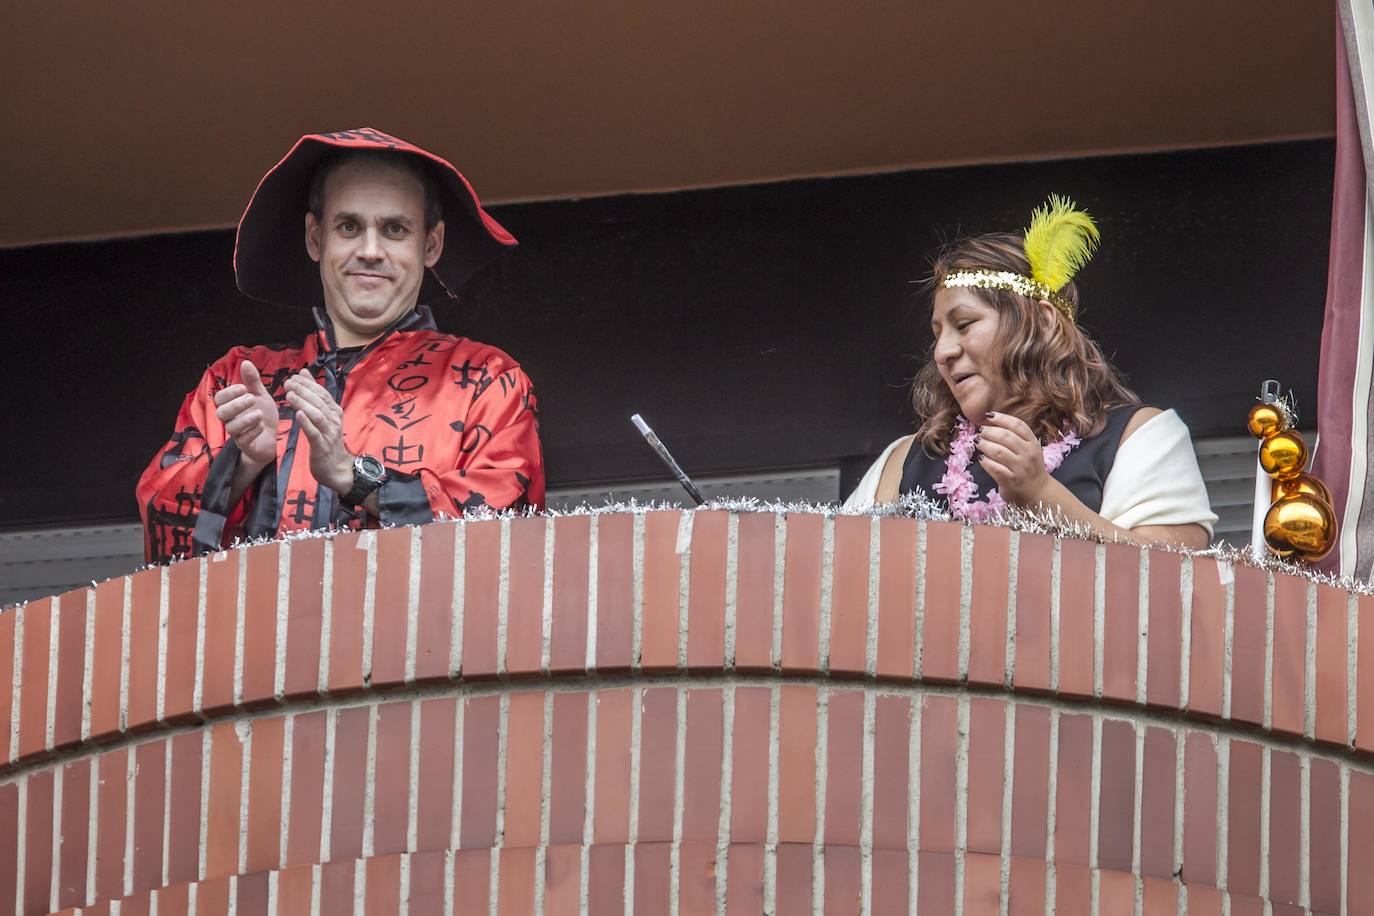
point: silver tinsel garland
(911, 505)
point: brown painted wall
(134, 119)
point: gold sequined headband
(1006, 279)
(1058, 242)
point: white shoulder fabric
(866, 493)
(1155, 479)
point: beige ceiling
(127, 118)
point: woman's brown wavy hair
(1054, 374)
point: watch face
(369, 467)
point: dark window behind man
(377, 417)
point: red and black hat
(270, 259)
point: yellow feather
(1059, 241)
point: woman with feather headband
(1018, 406)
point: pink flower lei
(957, 484)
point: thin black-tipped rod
(666, 457)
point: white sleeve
(1155, 479)
(866, 493)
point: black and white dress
(1150, 479)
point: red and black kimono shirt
(453, 420)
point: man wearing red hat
(377, 418)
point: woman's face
(966, 351)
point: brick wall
(678, 713)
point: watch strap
(363, 485)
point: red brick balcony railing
(689, 713)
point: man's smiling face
(372, 246)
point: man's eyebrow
(343, 215)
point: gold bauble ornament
(1284, 454)
(1304, 484)
(1302, 527)
(1266, 419)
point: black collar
(419, 318)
